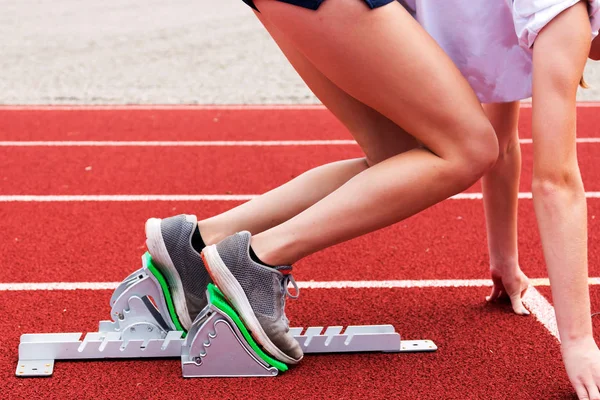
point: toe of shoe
(294, 350)
(288, 345)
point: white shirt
(490, 40)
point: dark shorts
(314, 4)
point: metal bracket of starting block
(216, 348)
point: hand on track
(512, 285)
(582, 361)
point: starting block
(144, 324)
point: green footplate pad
(218, 300)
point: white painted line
(588, 104)
(206, 143)
(175, 107)
(542, 310)
(124, 197)
(388, 284)
(579, 140)
(167, 107)
(586, 140)
(51, 286)
(580, 104)
(522, 196)
(400, 284)
(195, 197)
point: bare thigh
(385, 60)
(378, 136)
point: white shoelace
(285, 282)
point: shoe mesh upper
(177, 232)
(266, 290)
(262, 285)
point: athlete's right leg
(385, 60)
(378, 136)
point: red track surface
(478, 347)
(201, 124)
(182, 170)
(104, 241)
(484, 351)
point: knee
(508, 148)
(509, 153)
(477, 154)
(550, 183)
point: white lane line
(176, 107)
(166, 107)
(200, 143)
(51, 286)
(579, 140)
(195, 197)
(206, 143)
(386, 284)
(421, 283)
(542, 310)
(580, 104)
(124, 197)
(400, 284)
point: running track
(77, 184)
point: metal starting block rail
(144, 325)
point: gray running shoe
(169, 243)
(256, 292)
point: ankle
(259, 260)
(272, 251)
(209, 233)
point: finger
(517, 304)
(596, 386)
(494, 295)
(592, 390)
(581, 391)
